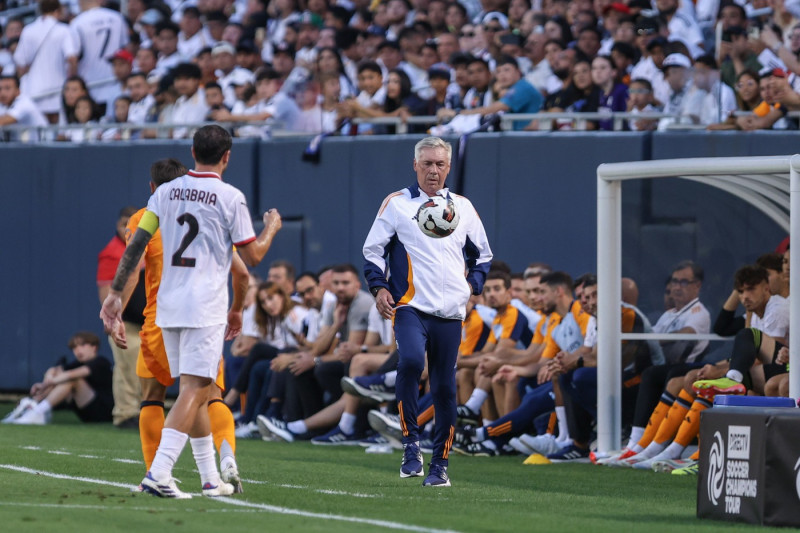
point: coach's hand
(385, 304)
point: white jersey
(189, 110)
(44, 46)
(693, 315)
(382, 326)
(25, 112)
(775, 321)
(98, 34)
(201, 219)
(425, 273)
(284, 336)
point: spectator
(191, 107)
(204, 60)
(146, 59)
(624, 56)
(141, 99)
(613, 96)
(711, 100)
(83, 384)
(166, 43)
(99, 32)
(18, 109)
(126, 387)
(734, 53)
(283, 60)
(557, 29)
(228, 73)
(308, 28)
(588, 42)
(247, 56)
(678, 75)
(682, 26)
(540, 70)
(122, 106)
(45, 56)
(329, 63)
(641, 100)
(650, 65)
(191, 38)
(372, 93)
(74, 88)
(122, 66)
(389, 57)
(85, 114)
(446, 46)
(456, 18)
(214, 98)
(471, 41)
(770, 113)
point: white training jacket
(435, 276)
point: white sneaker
(247, 431)
(624, 453)
(22, 407)
(543, 444)
(220, 489)
(32, 418)
(164, 489)
(230, 475)
(648, 464)
(520, 446)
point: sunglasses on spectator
(638, 91)
(681, 282)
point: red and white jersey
(98, 34)
(201, 218)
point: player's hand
(119, 336)
(783, 356)
(385, 304)
(272, 219)
(234, 327)
(544, 374)
(505, 374)
(111, 312)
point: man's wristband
(317, 360)
(364, 348)
(375, 290)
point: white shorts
(194, 351)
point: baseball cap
(241, 76)
(151, 17)
(619, 7)
(223, 47)
(310, 18)
(778, 72)
(122, 54)
(439, 70)
(496, 16)
(676, 60)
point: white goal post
(770, 184)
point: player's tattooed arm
(130, 259)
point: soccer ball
(437, 217)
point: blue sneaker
(272, 427)
(437, 476)
(375, 438)
(336, 437)
(412, 461)
(570, 453)
(475, 449)
(372, 387)
(466, 416)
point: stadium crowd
(311, 66)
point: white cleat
(521, 447)
(163, 489)
(230, 475)
(220, 489)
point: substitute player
(427, 293)
(201, 219)
(152, 365)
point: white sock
(204, 456)
(480, 435)
(653, 449)
(563, 429)
(636, 435)
(43, 408)
(673, 451)
(390, 378)
(735, 375)
(347, 423)
(487, 422)
(170, 448)
(226, 457)
(476, 400)
(298, 427)
(490, 444)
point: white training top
(98, 34)
(189, 110)
(201, 219)
(44, 46)
(693, 315)
(775, 321)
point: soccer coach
(429, 283)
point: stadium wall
(535, 193)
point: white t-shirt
(240, 74)
(189, 110)
(284, 334)
(693, 315)
(137, 112)
(590, 339)
(44, 46)
(98, 34)
(775, 321)
(201, 219)
(382, 326)
(191, 46)
(26, 114)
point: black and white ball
(437, 217)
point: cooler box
(750, 461)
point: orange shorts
(152, 361)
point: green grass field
(300, 487)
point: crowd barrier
(535, 192)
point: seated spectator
(191, 107)
(371, 97)
(612, 96)
(85, 114)
(121, 107)
(214, 98)
(678, 75)
(166, 43)
(74, 88)
(771, 112)
(735, 54)
(748, 98)
(641, 100)
(122, 66)
(711, 100)
(331, 91)
(146, 59)
(329, 62)
(84, 385)
(310, 120)
(18, 109)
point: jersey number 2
(194, 228)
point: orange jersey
(474, 333)
(510, 323)
(153, 263)
(569, 333)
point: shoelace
(411, 453)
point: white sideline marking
(124, 507)
(128, 461)
(241, 503)
(320, 491)
(58, 452)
